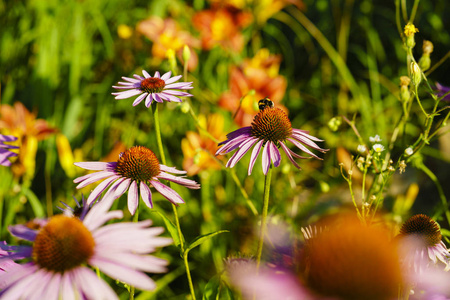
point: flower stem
(264, 217)
(175, 213)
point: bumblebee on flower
(269, 131)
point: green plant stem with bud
(175, 213)
(263, 217)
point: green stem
(433, 177)
(414, 10)
(175, 213)
(264, 217)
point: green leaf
(212, 289)
(201, 239)
(171, 228)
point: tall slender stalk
(175, 213)
(264, 217)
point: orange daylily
(258, 74)
(17, 120)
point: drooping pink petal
(274, 154)
(190, 184)
(100, 188)
(94, 177)
(266, 159)
(135, 278)
(303, 148)
(146, 195)
(167, 192)
(126, 94)
(288, 153)
(171, 169)
(139, 99)
(243, 148)
(94, 165)
(133, 198)
(254, 156)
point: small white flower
(361, 149)
(409, 151)
(375, 139)
(378, 148)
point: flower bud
(416, 73)
(404, 88)
(186, 54)
(334, 123)
(425, 61)
(170, 54)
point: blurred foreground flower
(19, 122)
(166, 34)
(136, 169)
(442, 90)
(198, 149)
(221, 26)
(258, 74)
(347, 261)
(5, 149)
(427, 230)
(61, 248)
(269, 131)
(150, 88)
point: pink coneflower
(65, 245)
(270, 130)
(136, 170)
(5, 152)
(150, 88)
(428, 231)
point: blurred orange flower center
(271, 124)
(138, 163)
(152, 85)
(62, 244)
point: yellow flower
(410, 30)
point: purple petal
(7, 138)
(167, 192)
(157, 98)
(131, 79)
(146, 75)
(127, 94)
(91, 178)
(266, 159)
(274, 154)
(173, 79)
(125, 274)
(171, 169)
(176, 93)
(179, 86)
(191, 184)
(254, 156)
(96, 165)
(148, 100)
(303, 148)
(232, 144)
(139, 99)
(92, 286)
(157, 75)
(288, 153)
(169, 97)
(100, 188)
(244, 147)
(133, 199)
(166, 76)
(146, 195)
(23, 232)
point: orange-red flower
(18, 121)
(198, 149)
(221, 26)
(262, 9)
(259, 74)
(166, 34)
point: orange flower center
(152, 85)
(271, 124)
(138, 163)
(352, 261)
(424, 227)
(63, 244)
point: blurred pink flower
(61, 248)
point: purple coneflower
(442, 90)
(136, 169)
(5, 152)
(270, 130)
(428, 232)
(61, 249)
(150, 88)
